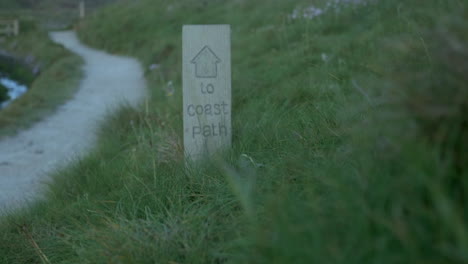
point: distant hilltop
(12, 4)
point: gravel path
(28, 157)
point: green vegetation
(57, 81)
(51, 14)
(9, 4)
(3, 93)
(350, 138)
(16, 71)
(14, 4)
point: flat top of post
(209, 25)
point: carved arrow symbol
(206, 63)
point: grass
(349, 144)
(3, 93)
(52, 14)
(56, 83)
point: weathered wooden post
(206, 89)
(16, 27)
(8, 28)
(82, 9)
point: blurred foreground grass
(350, 143)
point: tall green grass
(349, 144)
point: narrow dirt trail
(28, 157)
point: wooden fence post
(16, 27)
(82, 9)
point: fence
(9, 27)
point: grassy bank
(52, 14)
(3, 93)
(60, 71)
(349, 144)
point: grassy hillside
(56, 81)
(349, 143)
(7, 4)
(52, 14)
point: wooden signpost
(206, 90)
